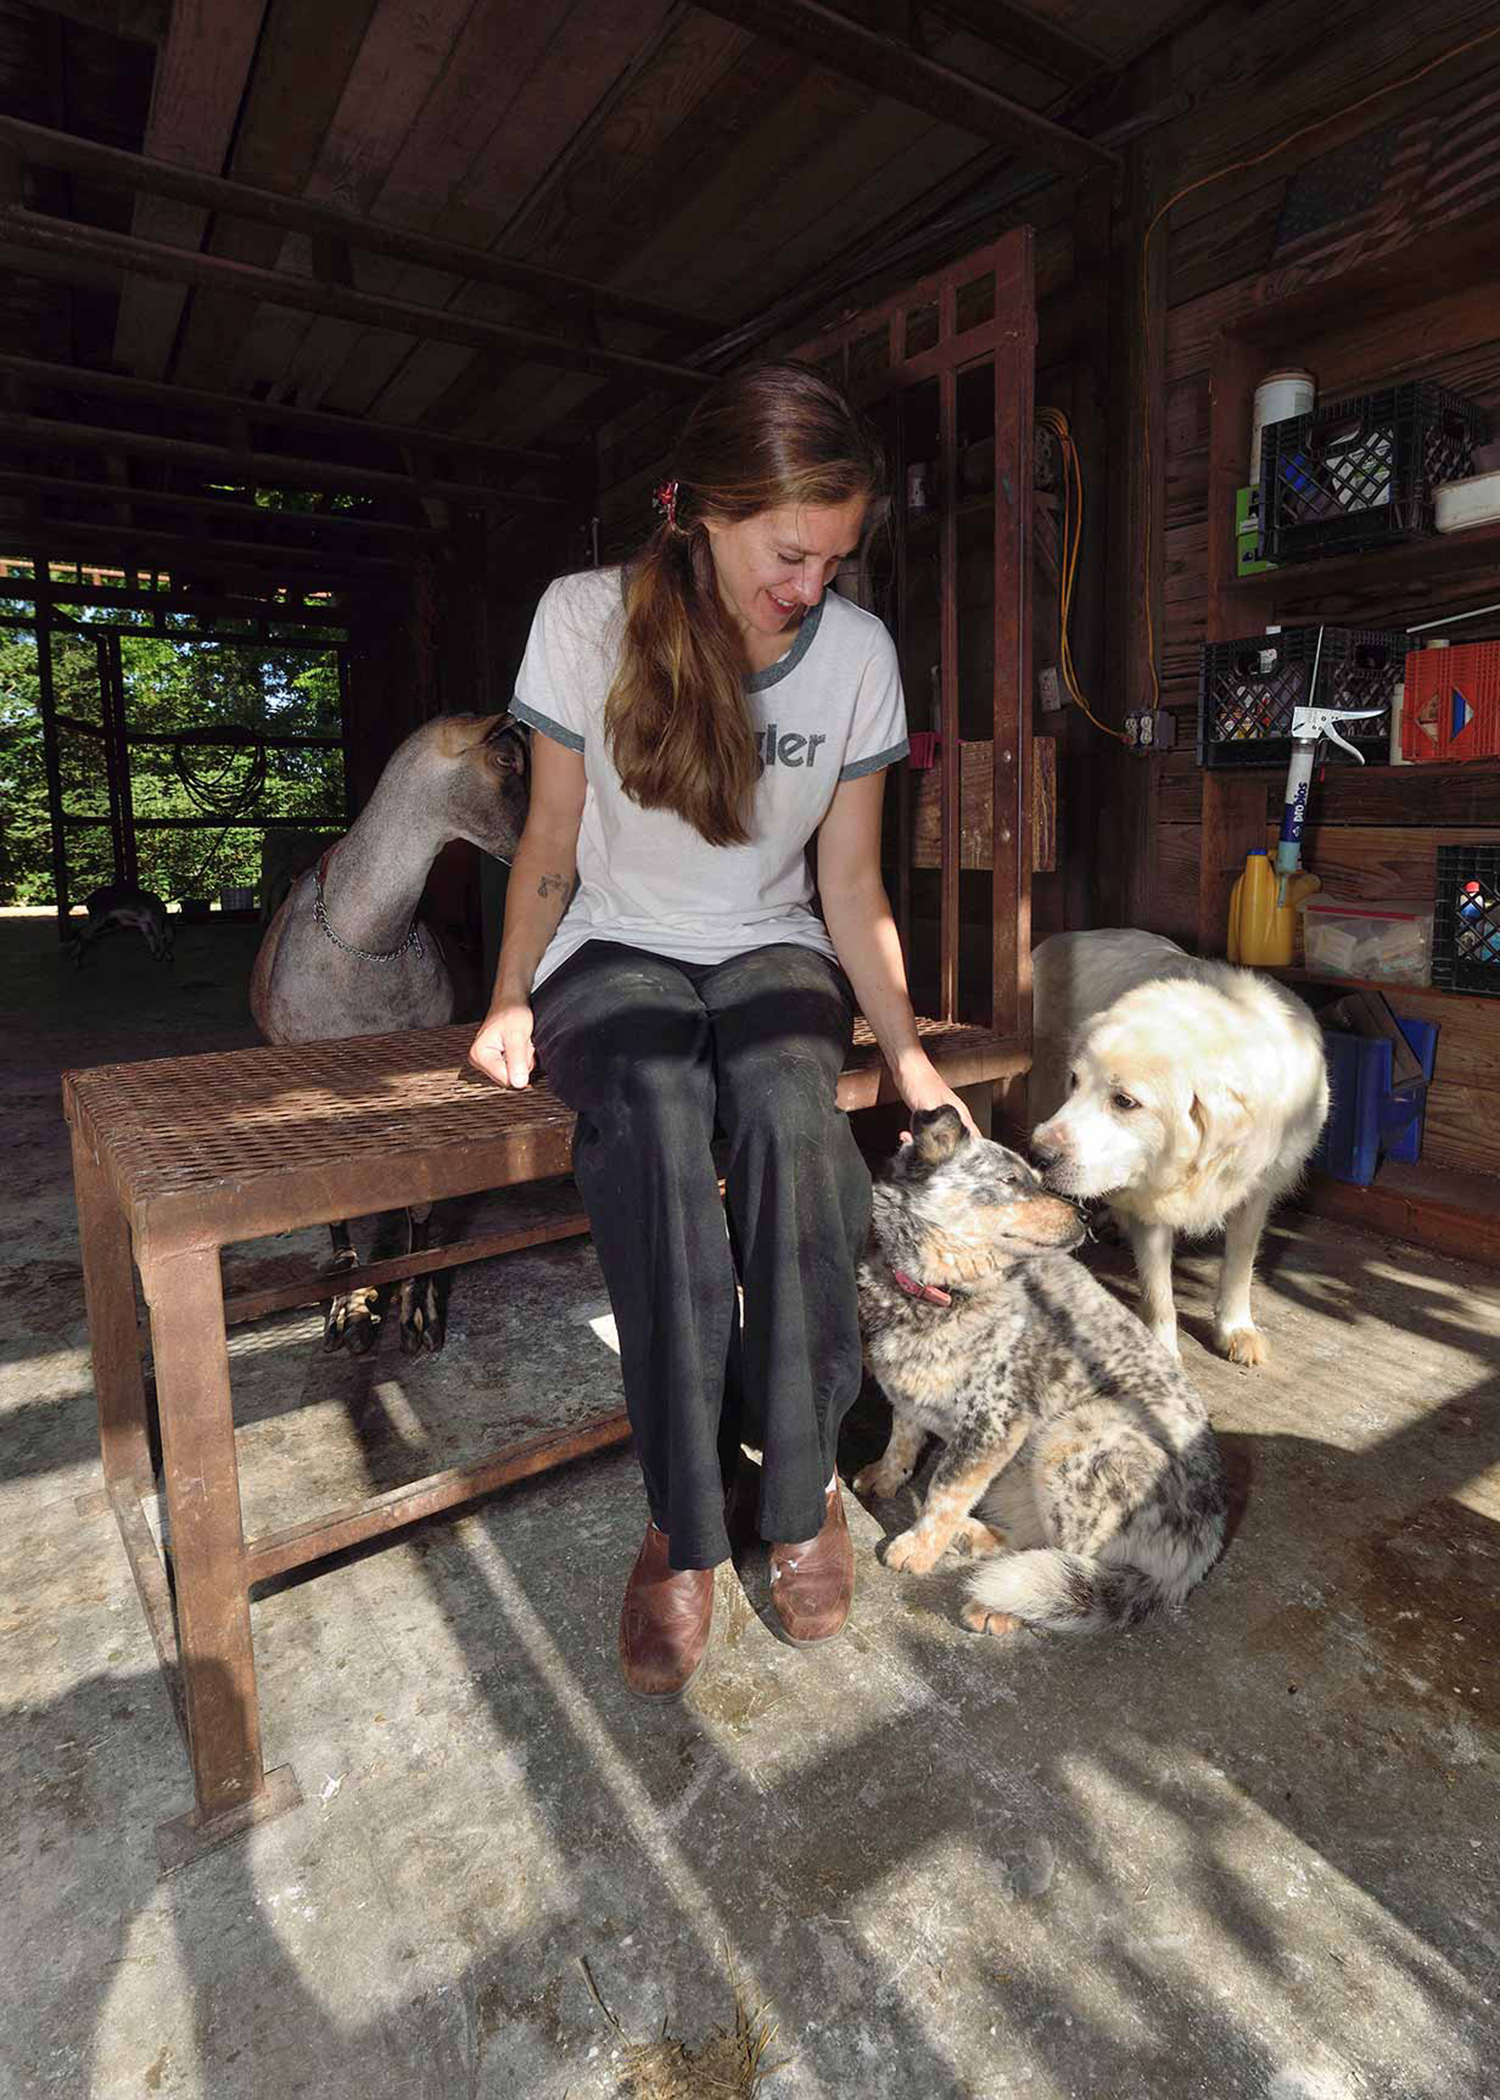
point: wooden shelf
(1452, 1212)
(1448, 260)
(1423, 309)
(1444, 555)
(1429, 994)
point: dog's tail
(1060, 1592)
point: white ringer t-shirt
(830, 710)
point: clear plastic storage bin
(1389, 939)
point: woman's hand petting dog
(922, 1087)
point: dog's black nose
(1046, 1155)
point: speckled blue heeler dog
(983, 1330)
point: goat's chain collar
(320, 913)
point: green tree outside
(169, 685)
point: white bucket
(1280, 394)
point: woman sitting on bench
(702, 715)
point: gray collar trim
(784, 665)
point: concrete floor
(1248, 1853)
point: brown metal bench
(179, 1157)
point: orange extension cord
(1071, 537)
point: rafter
(275, 415)
(43, 147)
(203, 66)
(196, 553)
(827, 38)
(336, 525)
(266, 469)
(69, 246)
(1020, 34)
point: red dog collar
(927, 1292)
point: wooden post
(949, 750)
(1011, 783)
(1138, 297)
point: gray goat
(347, 954)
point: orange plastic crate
(1452, 704)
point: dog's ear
(936, 1134)
(1223, 1120)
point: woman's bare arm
(858, 916)
(541, 883)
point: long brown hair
(678, 728)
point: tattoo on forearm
(555, 888)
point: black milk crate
(1360, 472)
(1247, 691)
(1466, 922)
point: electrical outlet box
(1150, 729)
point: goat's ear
(1223, 1120)
(456, 734)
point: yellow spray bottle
(1263, 924)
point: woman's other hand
(503, 1048)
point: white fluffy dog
(1187, 1094)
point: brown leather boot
(665, 1622)
(812, 1583)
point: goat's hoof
(352, 1322)
(422, 1323)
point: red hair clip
(664, 497)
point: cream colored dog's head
(1153, 1102)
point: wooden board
(305, 58)
(1462, 1127)
(522, 83)
(1468, 1027)
(202, 69)
(1449, 1209)
(1365, 861)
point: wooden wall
(1117, 318)
(1404, 167)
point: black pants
(654, 1055)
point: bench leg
(114, 1340)
(208, 1558)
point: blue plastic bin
(1367, 1122)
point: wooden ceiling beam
(274, 415)
(334, 524)
(68, 244)
(266, 469)
(203, 67)
(827, 38)
(178, 603)
(1020, 34)
(196, 553)
(142, 21)
(43, 147)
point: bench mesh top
(243, 1136)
